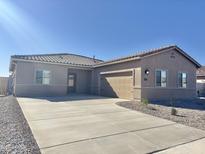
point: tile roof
(141, 54)
(62, 58)
(82, 61)
(201, 71)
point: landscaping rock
(188, 113)
(15, 133)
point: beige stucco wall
(89, 81)
(26, 85)
(137, 91)
(143, 88)
(173, 66)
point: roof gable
(143, 54)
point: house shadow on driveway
(73, 97)
(197, 104)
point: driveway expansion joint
(174, 146)
(115, 134)
(76, 116)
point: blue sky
(104, 28)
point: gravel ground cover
(15, 133)
(190, 113)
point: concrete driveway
(96, 125)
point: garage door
(117, 85)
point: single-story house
(163, 73)
(201, 81)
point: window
(71, 80)
(161, 78)
(182, 78)
(43, 77)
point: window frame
(178, 82)
(161, 78)
(42, 83)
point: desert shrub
(145, 101)
(172, 104)
(173, 111)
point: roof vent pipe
(94, 58)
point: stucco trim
(168, 88)
(43, 85)
(118, 71)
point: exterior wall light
(147, 72)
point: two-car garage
(117, 84)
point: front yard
(91, 125)
(190, 113)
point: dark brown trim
(200, 77)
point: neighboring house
(3, 85)
(201, 81)
(164, 73)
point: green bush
(145, 101)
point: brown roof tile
(63, 58)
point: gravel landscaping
(190, 113)
(15, 133)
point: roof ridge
(60, 58)
(56, 54)
(160, 48)
(50, 54)
(85, 56)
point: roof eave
(11, 65)
(188, 57)
(53, 63)
(116, 62)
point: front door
(71, 83)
